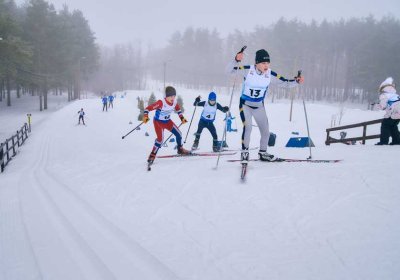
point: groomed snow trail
(78, 203)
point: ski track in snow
(63, 200)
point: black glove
(225, 109)
(197, 100)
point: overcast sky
(122, 21)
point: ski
(238, 150)
(205, 154)
(244, 171)
(294, 160)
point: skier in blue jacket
(207, 119)
(110, 101)
(104, 100)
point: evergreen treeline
(43, 49)
(344, 60)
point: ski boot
(216, 147)
(264, 156)
(151, 158)
(244, 156)
(195, 145)
(183, 151)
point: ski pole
(195, 107)
(305, 113)
(132, 130)
(169, 137)
(230, 103)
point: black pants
(210, 126)
(104, 106)
(389, 128)
(81, 118)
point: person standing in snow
(110, 101)
(389, 101)
(81, 116)
(257, 79)
(104, 100)
(228, 120)
(162, 120)
(207, 119)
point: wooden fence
(363, 138)
(9, 148)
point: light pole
(165, 70)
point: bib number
(255, 92)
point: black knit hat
(170, 91)
(262, 56)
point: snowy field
(78, 203)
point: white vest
(209, 112)
(164, 114)
(255, 86)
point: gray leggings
(260, 115)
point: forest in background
(43, 50)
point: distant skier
(228, 120)
(110, 101)
(81, 116)
(104, 100)
(389, 101)
(207, 119)
(162, 120)
(256, 82)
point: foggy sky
(153, 21)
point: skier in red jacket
(162, 120)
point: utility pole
(165, 70)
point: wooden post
(364, 134)
(13, 145)
(1, 157)
(18, 138)
(327, 138)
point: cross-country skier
(81, 116)
(104, 100)
(257, 79)
(162, 120)
(389, 101)
(110, 101)
(207, 119)
(228, 120)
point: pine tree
(152, 99)
(141, 108)
(180, 102)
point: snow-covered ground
(78, 203)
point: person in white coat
(389, 101)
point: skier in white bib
(81, 114)
(207, 119)
(257, 79)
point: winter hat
(170, 91)
(387, 85)
(212, 96)
(262, 56)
